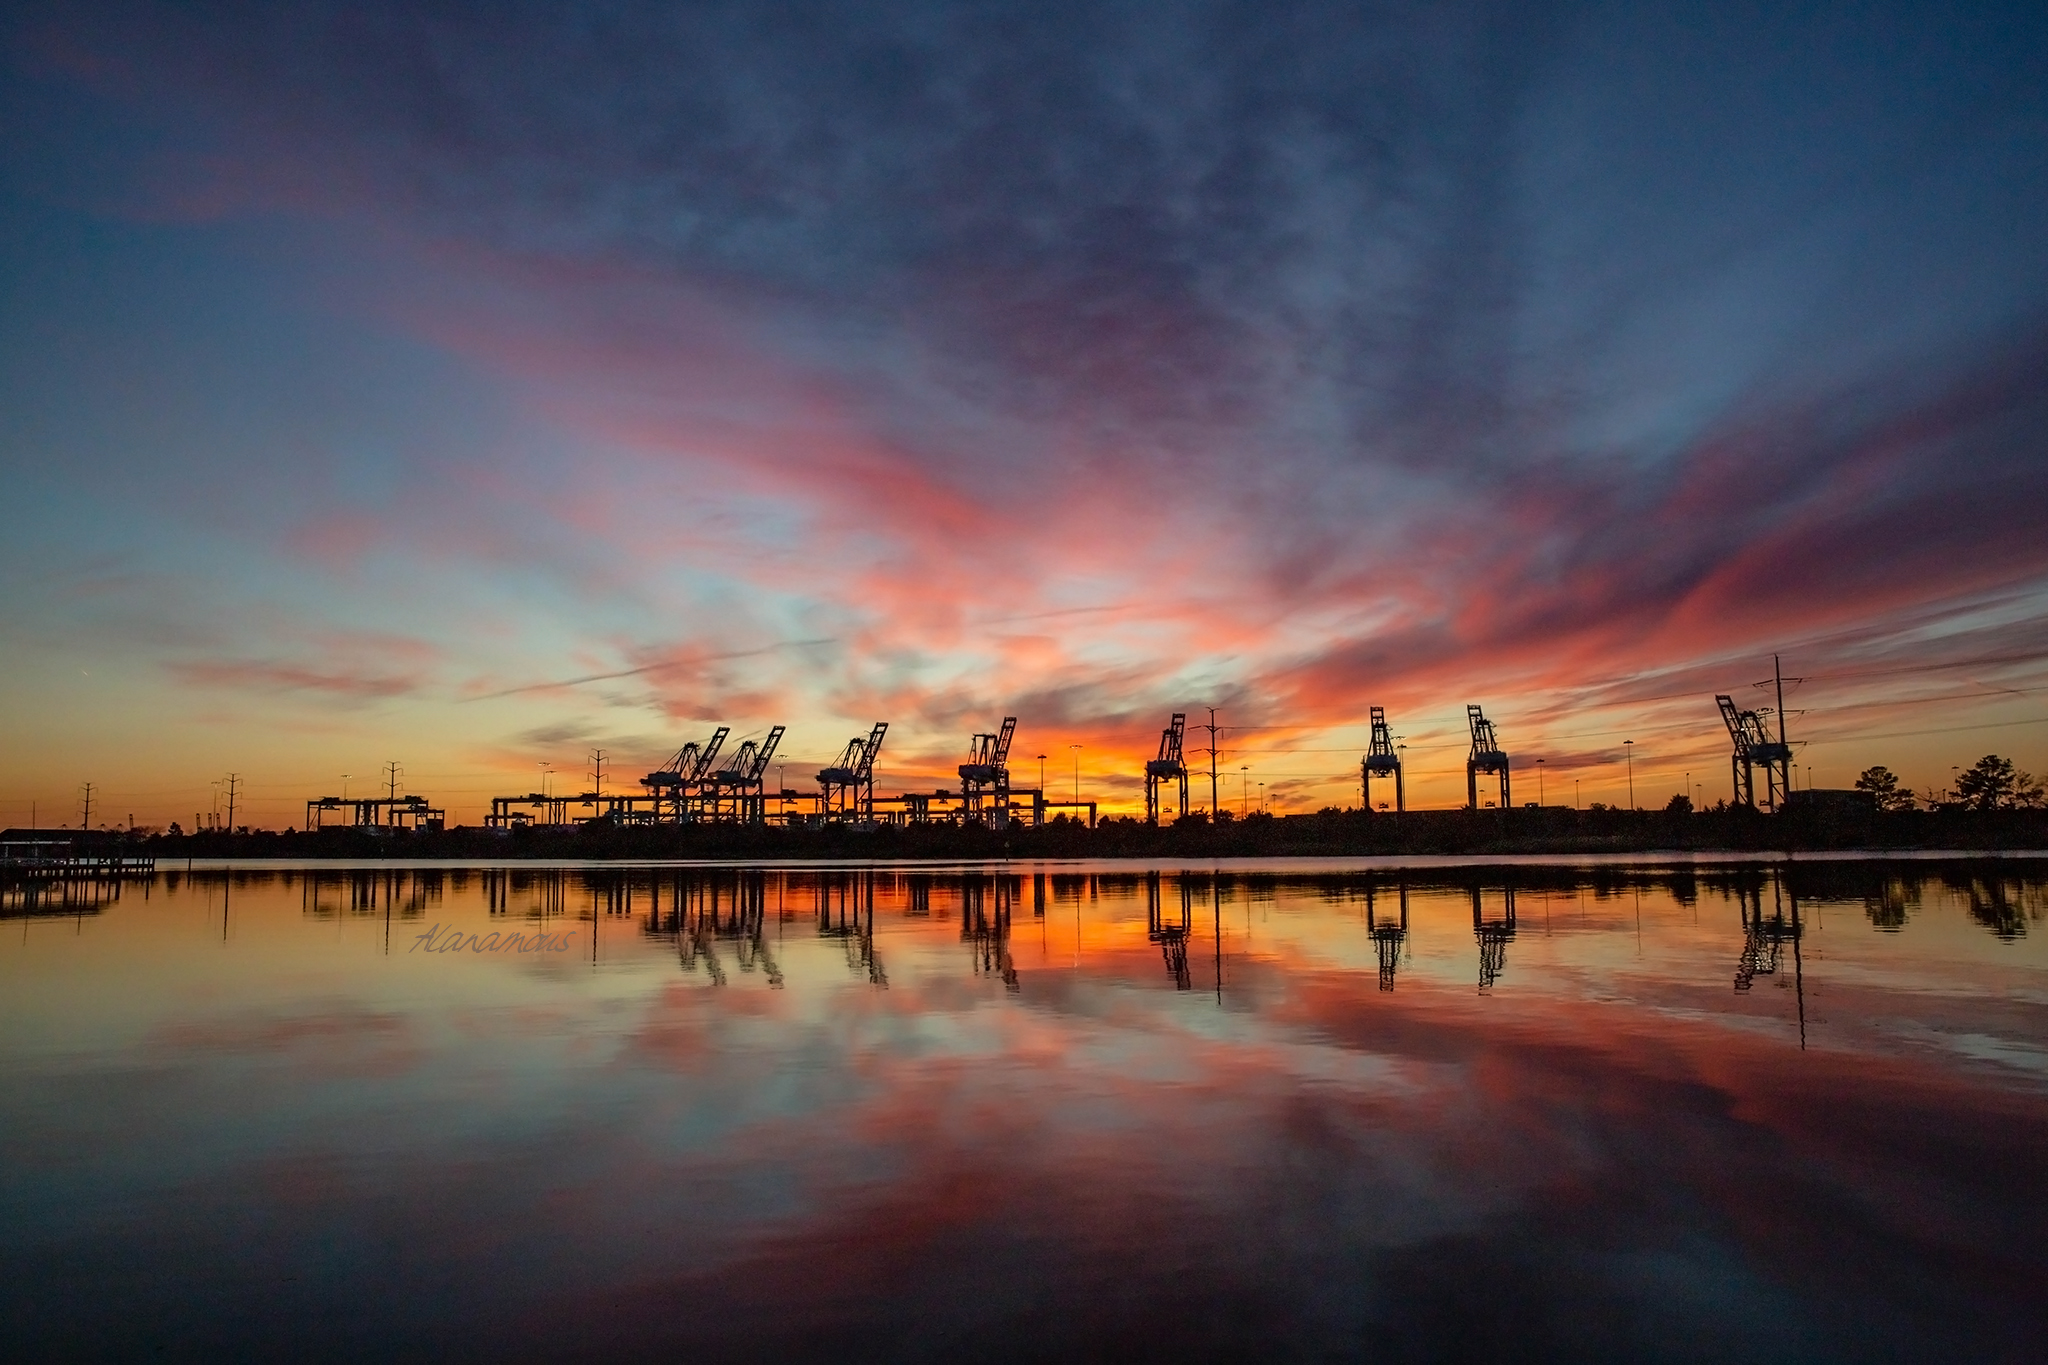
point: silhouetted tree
(1680, 804)
(1993, 783)
(1883, 785)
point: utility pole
(1077, 772)
(1778, 677)
(1628, 746)
(85, 821)
(597, 771)
(234, 786)
(392, 772)
(1212, 729)
(1244, 790)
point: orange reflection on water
(1215, 1109)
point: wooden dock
(56, 855)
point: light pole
(1628, 747)
(1539, 782)
(1688, 789)
(1077, 772)
(1262, 798)
(344, 786)
(1244, 789)
(1041, 774)
(1575, 793)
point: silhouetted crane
(847, 788)
(679, 779)
(739, 782)
(1754, 748)
(987, 776)
(1487, 757)
(1167, 767)
(1381, 760)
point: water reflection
(1494, 932)
(59, 897)
(1389, 937)
(239, 1101)
(1169, 933)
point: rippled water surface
(1071, 1111)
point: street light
(1628, 747)
(1041, 774)
(1539, 782)
(1077, 772)
(1244, 789)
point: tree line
(1991, 783)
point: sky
(477, 387)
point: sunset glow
(396, 383)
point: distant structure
(734, 794)
(1381, 760)
(1754, 748)
(1494, 936)
(1171, 937)
(672, 790)
(377, 814)
(986, 777)
(1388, 936)
(1486, 757)
(846, 790)
(1168, 767)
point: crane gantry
(1486, 757)
(986, 776)
(1381, 760)
(847, 788)
(1168, 767)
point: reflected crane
(1388, 939)
(1171, 937)
(1494, 936)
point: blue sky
(373, 374)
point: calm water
(1534, 1112)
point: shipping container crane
(674, 784)
(1381, 760)
(1494, 936)
(740, 781)
(987, 775)
(1754, 748)
(1486, 757)
(847, 788)
(1167, 767)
